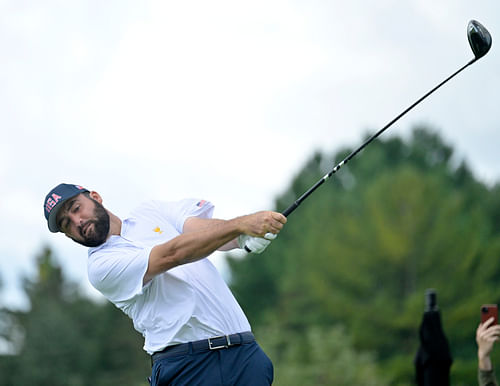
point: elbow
(172, 259)
(161, 259)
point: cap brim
(52, 222)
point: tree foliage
(65, 339)
(338, 297)
(320, 356)
(401, 217)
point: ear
(96, 196)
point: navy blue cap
(54, 200)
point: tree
(400, 218)
(70, 340)
(319, 356)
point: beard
(98, 235)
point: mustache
(83, 226)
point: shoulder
(117, 269)
(115, 251)
(154, 206)
(174, 211)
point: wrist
(484, 361)
(238, 223)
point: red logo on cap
(51, 202)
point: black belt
(215, 343)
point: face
(84, 220)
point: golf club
(480, 42)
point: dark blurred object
(433, 359)
(430, 300)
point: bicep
(162, 257)
(199, 239)
(168, 255)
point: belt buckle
(226, 345)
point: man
(152, 266)
(487, 334)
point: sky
(218, 100)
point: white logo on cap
(51, 202)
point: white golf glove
(253, 244)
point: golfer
(152, 265)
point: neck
(115, 225)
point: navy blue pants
(242, 365)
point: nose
(75, 219)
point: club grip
(290, 209)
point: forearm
(484, 362)
(201, 237)
(208, 223)
(192, 246)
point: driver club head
(479, 38)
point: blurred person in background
(486, 335)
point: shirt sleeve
(177, 213)
(118, 273)
(486, 378)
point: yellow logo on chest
(158, 230)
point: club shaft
(297, 202)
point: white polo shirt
(186, 303)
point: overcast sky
(221, 100)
